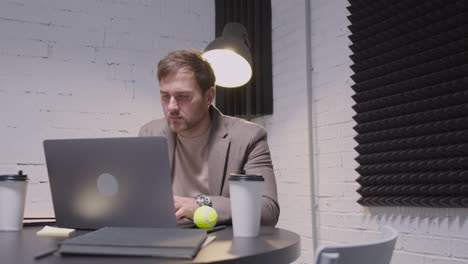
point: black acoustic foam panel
(410, 64)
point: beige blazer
(234, 144)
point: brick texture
(74, 69)
(86, 69)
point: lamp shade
(229, 56)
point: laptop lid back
(110, 182)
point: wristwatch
(203, 200)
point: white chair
(377, 252)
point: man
(205, 146)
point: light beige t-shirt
(191, 166)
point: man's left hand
(185, 207)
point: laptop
(116, 182)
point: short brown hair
(190, 60)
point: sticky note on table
(55, 231)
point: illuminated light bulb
(231, 69)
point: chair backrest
(377, 252)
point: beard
(178, 125)
(180, 122)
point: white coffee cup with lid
(13, 188)
(246, 203)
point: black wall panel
(410, 63)
(256, 97)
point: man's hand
(185, 207)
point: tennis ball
(205, 217)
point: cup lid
(246, 177)
(14, 177)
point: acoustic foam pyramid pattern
(410, 64)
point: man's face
(185, 106)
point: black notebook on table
(129, 241)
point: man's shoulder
(153, 128)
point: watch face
(203, 200)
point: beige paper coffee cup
(246, 203)
(13, 190)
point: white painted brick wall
(72, 69)
(287, 127)
(428, 235)
(62, 59)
